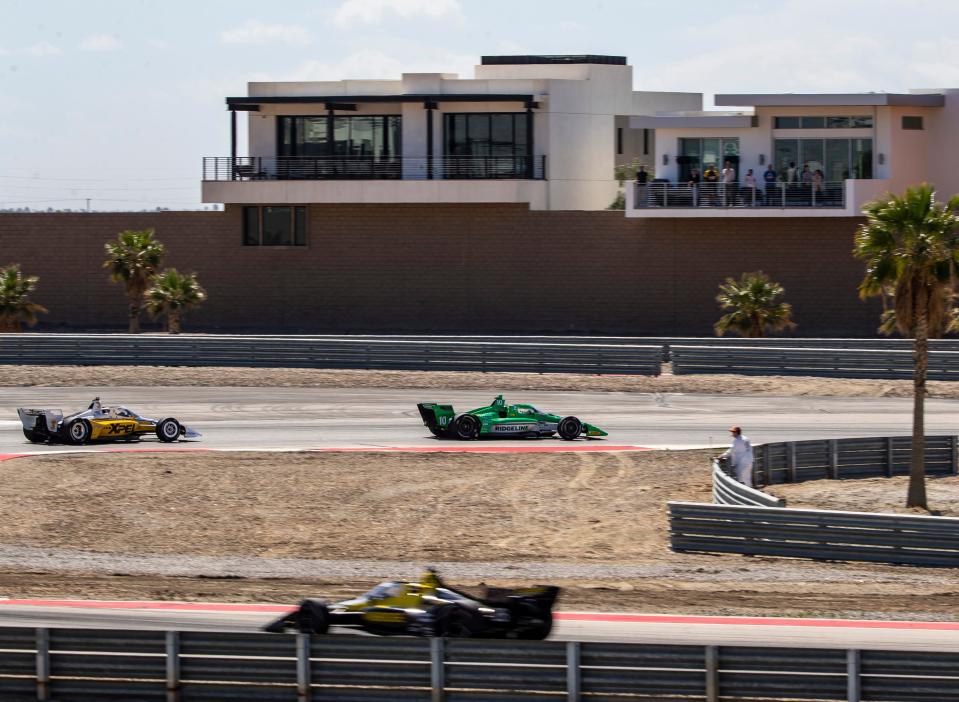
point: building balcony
(369, 179)
(827, 199)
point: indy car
(98, 423)
(500, 419)
(430, 607)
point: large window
(485, 145)
(280, 225)
(353, 135)
(836, 122)
(703, 153)
(838, 159)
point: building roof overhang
(704, 120)
(243, 103)
(831, 99)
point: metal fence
(822, 362)
(742, 521)
(78, 665)
(831, 194)
(328, 352)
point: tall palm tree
(133, 259)
(911, 244)
(172, 294)
(15, 305)
(753, 307)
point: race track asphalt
(320, 418)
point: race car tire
(455, 623)
(168, 430)
(34, 437)
(78, 431)
(313, 617)
(569, 428)
(466, 427)
(437, 431)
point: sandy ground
(567, 509)
(61, 376)
(871, 495)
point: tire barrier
(81, 665)
(747, 521)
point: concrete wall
(473, 268)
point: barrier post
(437, 669)
(303, 667)
(712, 674)
(889, 455)
(954, 454)
(791, 465)
(853, 682)
(834, 459)
(43, 665)
(173, 666)
(574, 680)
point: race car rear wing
(436, 415)
(49, 418)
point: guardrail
(821, 362)
(328, 352)
(745, 520)
(78, 665)
(775, 195)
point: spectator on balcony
(791, 172)
(817, 187)
(740, 456)
(751, 193)
(730, 186)
(770, 177)
(693, 183)
(642, 177)
(710, 183)
(806, 175)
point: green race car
(500, 419)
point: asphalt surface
(728, 631)
(309, 418)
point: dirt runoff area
(276, 527)
(116, 376)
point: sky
(118, 101)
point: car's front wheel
(569, 428)
(466, 427)
(168, 430)
(79, 431)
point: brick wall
(454, 268)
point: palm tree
(911, 244)
(133, 259)
(15, 306)
(754, 310)
(172, 294)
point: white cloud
(255, 32)
(371, 11)
(101, 42)
(372, 64)
(42, 49)
(158, 44)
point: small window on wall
(280, 225)
(911, 122)
(619, 141)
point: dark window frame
(912, 123)
(619, 141)
(839, 121)
(287, 123)
(488, 165)
(299, 225)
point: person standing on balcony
(642, 177)
(711, 183)
(729, 184)
(752, 193)
(740, 456)
(791, 172)
(769, 176)
(693, 183)
(817, 186)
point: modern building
(825, 154)
(544, 131)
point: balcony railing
(260, 168)
(773, 195)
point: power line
(95, 180)
(71, 187)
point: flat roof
(831, 99)
(552, 59)
(239, 102)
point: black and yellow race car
(98, 423)
(430, 607)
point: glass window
(502, 136)
(861, 122)
(838, 122)
(353, 135)
(837, 159)
(251, 226)
(812, 122)
(861, 158)
(810, 156)
(787, 152)
(299, 226)
(277, 227)
(786, 123)
(909, 122)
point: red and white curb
(612, 617)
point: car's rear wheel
(313, 617)
(79, 431)
(168, 430)
(466, 427)
(569, 428)
(34, 437)
(455, 623)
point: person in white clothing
(740, 456)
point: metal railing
(328, 352)
(265, 168)
(745, 520)
(830, 194)
(78, 665)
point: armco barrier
(745, 520)
(78, 665)
(822, 361)
(328, 352)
